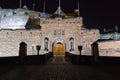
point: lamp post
(38, 47)
(80, 49)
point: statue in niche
(46, 44)
(71, 44)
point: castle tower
(31, 15)
(59, 10)
(77, 11)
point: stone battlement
(77, 20)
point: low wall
(78, 59)
(109, 48)
(40, 59)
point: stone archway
(59, 49)
(23, 49)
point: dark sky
(95, 13)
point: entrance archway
(23, 49)
(58, 49)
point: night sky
(96, 13)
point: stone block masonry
(55, 30)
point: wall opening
(59, 49)
(71, 44)
(23, 49)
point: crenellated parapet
(19, 35)
(72, 21)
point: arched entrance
(23, 49)
(58, 49)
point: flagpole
(20, 5)
(44, 7)
(78, 9)
(33, 6)
(59, 7)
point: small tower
(25, 7)
(31, 15)
(59, 10)
(59, 7)
(77, 11)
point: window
(55, 32)
(46, 40)
(63, 32)
(59, 32)
(71, 44)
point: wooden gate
(58, 49)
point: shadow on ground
(59, 68)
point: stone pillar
(95, 52)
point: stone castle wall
(56, 30)
(109, 48)
(86, 39)
(10, 41)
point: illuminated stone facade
(68, 32)
(109, 48)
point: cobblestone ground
(59, 68)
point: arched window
(71, 44)
(46, 40)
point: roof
(113, 35)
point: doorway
(23, 49)
(58, 49)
